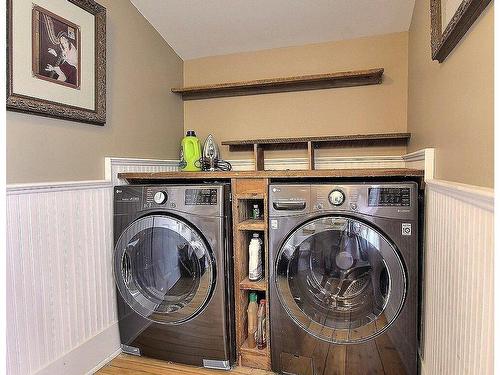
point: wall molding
(46, 187)
(421, 159)
(91, 351)
(477, 196)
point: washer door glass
(340, 280)
(163, 269)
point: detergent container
(190, 153)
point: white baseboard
(104, 362)
(88, 357)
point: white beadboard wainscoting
(61, 315)
(113, 166)
(61, 296)
(422, 159)
(458, 280)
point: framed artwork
(56, 59)
(450, 20)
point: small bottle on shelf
(261, 325)
(255, 258)
(255, 211)
(252, 320)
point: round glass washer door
(340, 280)
(163, 269)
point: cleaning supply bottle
(190, 152)
(252, 320)
(255, 258)
(261, 325)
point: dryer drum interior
(163, 269)
(340, 279)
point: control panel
(389, 196)
(200, 197)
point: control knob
(160, 197)
(336, 197)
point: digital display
(201, 197)
(388, 197)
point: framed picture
(56, 59)
(450, 20)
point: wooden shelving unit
(252, 224)
(246, 193)
(286, 84)
(258, 146)
(260, 285)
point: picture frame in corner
(47, 73)
(450, 20)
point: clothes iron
(210, 157)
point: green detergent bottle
(190, 152)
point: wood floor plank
(131, 365)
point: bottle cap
(253, 297)
(263, 301)
(190, 133)
(256, 235)
(256, 206)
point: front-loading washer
(343, 275)
(172, 266)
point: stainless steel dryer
(343, 278)
(172, 267)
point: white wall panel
(458, 280)
(113, 166)
(60, 288)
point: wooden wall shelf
(312, 143)
(240, 176)
(287, 84)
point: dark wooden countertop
(157, 177)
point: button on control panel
(155, 197)
(160, 197)
(336, 197)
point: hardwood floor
(131, 365)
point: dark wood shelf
(286, 84)
(246, 284)
(252, 224)
(312, 143)
(320, 142)
(157, 177)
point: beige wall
(143, 118)
(450, 105)
(366, 109)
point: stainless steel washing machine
(343, 278)
(173, 272)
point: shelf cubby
(246, 193)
